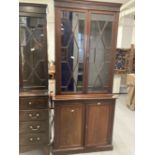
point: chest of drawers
(33, 122)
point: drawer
(33, 103)
(33, 115)
(33, 127)
(101, 102)
(34, 139)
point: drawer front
(33, 103)
(34, 139)
(101, 102)
(33, 127)
(33, 115)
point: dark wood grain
(33, 115)
(84, 120)
(97, 123)
(57, 52)
(32, 8)
(96, 119)
(33, 127)
(33, 103)
(81, 150)
(69, 125)
(35, 64)
(113, 52)
(86, 4)
(83, 97)
(33, 139)
(88, 11)
(33, 95)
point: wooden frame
(34, 10)
(87, 8)
(33, 99)
(93, 103)
(85, 100)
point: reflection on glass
(72, 50)
(31, 30)
(100, 48)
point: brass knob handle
(37, 114)
(38, 138)
(38, 126)
(30, 115)
(31, 139)
(99, 103)
(32, 49)
(72, 110)
(30, 103)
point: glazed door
(33, 52)
(70, 31)
(99, 120)
(85, 46)
(100, 52)
(69, 125)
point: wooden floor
(124, 127)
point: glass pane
(32, 51)
(100, 52)
(72, 50)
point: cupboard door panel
(99, 118)
(69, 125)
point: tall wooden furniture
(33, 95)
(86, 33)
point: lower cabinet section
(83, 126)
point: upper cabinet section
(86, 35)
(33, 47)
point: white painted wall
(133, 35)
(126, 26)
(125, 32)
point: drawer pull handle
(31, 139)
(35, 116)
(30, 103)
(34, 129)
(99, 103)
(72, 110)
